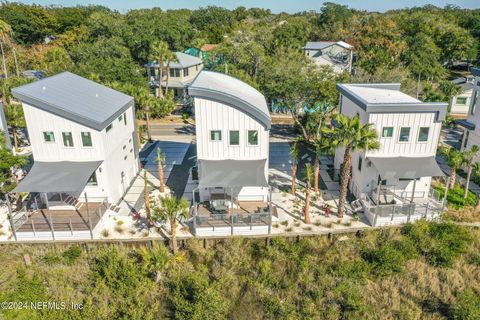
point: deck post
(409, 213)
(10, 214)
(33, 227)
(270, 210)
(231, 197)
(231, 224)
(88, 215)
(444, 204)
(50, 222)
(413, 191)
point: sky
(276, 6)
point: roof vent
(96, 95)
(44, 88)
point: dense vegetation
(428, 271)
(413, 46)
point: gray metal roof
(232, 173)
(233, 92)
(319, 45)
(406, 167)
(387, 97)
(184, 61)
(75, 98)
(61, 176)
(475, 72)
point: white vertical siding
(391, 147)
(212, 115)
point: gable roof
(184, 61)
(75, 98)
(319, 45)
(387, 97)
(233, 92)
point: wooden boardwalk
(63, 220)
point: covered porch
(229, 199)
(57, 206)
(402, 193)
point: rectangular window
(360, 160)
(120, 118)
(109, 127)
(234, 137)
(423, 134)
(253, 137)
(185, 72)
(175, 73)
(387, 132)
(125, 118)
(216, 135)
(86, 139)
(404, 134)
(67, 139)
(474, 102)
(93, 180)
(461, 101)
(48, 136)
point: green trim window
(109, 127)
(404, 134)
(86, 139)
(67, 139)
(461, 101)
(120, 118)
(216, 135)
(125, 118)
(253, 137)
(185, 72)
(360, 161)
(234, 137)
(474, 102)
(423, 134)
(387, 132)
(93, 180)
(48, 136)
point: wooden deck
(63, 220)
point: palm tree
(5, 31)
(159, 51)
(198, 43)
(144, 100)
(468, 161)
(308, 180)
(170, 210)
(146, 198)
(454, 159)
(350, 134)
(154, 260)
(170, 57)
(294, 155)
(160, 160)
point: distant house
(182, 72)
(472, 123)
(203, 52)
(461, 102)
(337, 54)
(232, 124)
(393, 183)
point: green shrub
(467, 306)
(52, 258)
(72, 254)
(455, 196)
(385, 259)
(440, 243)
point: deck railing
(214, 221)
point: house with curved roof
(232, 134)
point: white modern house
(472, 123)
(393, 183)
(181, 74)
(84, 144)
(336, 54)
(460, 103)
(232, 135)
